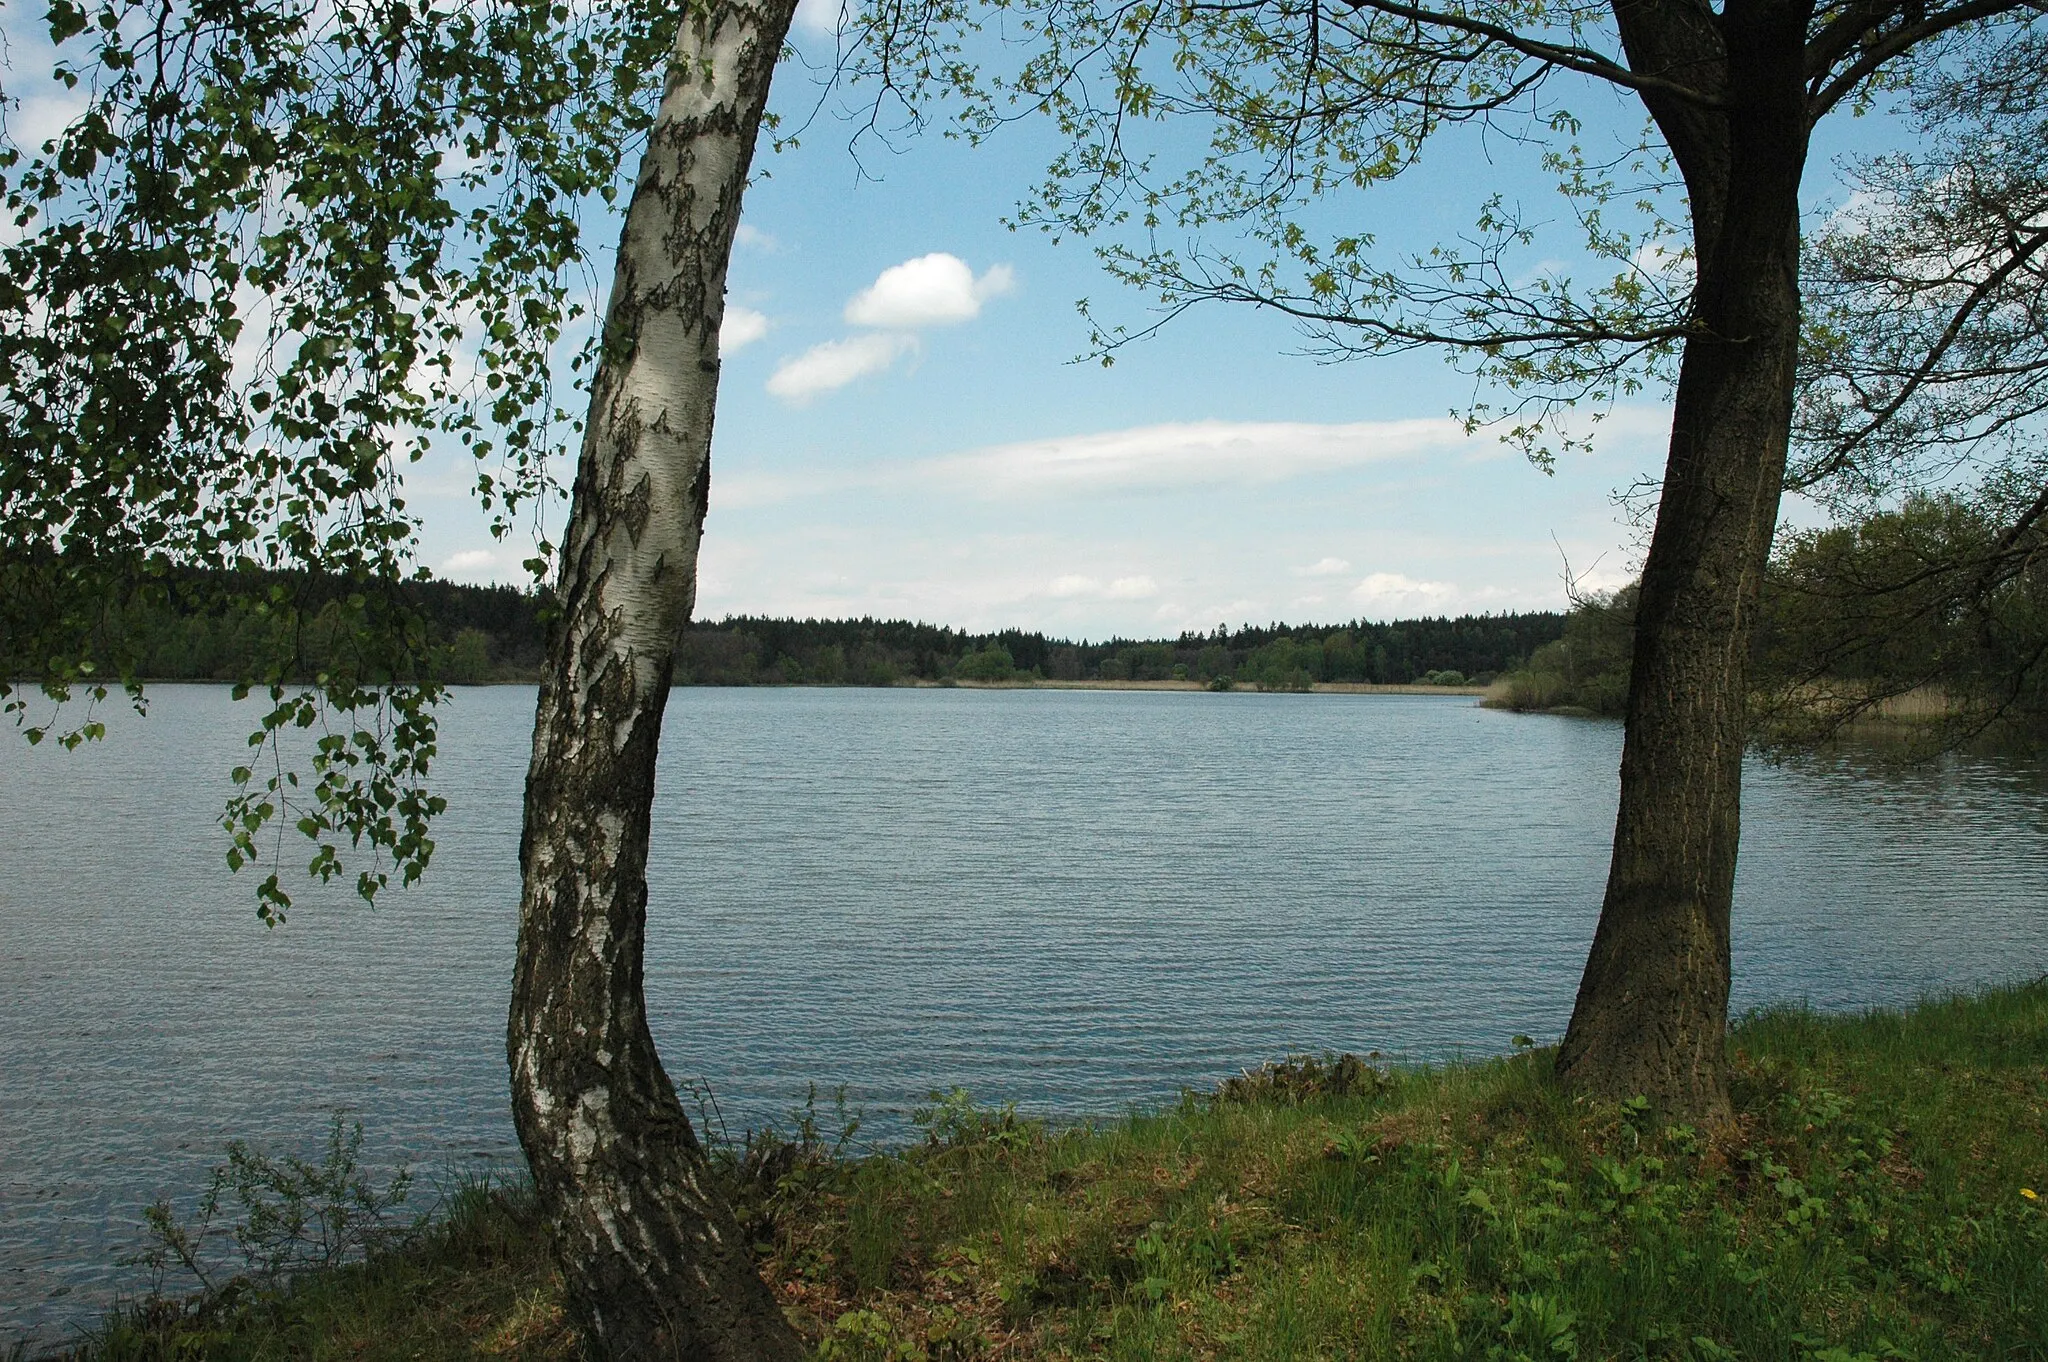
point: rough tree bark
(654, 1263)
(1651, 1016)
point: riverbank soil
(1884, 1195)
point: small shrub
(293, 1215)
(1301, 1078)
(990, 664)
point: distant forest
(205, 628)
(747, 650)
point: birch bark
(654, 1264)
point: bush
(1586, 670)
(990, 664)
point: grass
(1871, 1206)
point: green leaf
(66, 20)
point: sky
(909, 427)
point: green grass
(1870, 1207)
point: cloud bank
(1140, 459)
(1189, 454)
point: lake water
(1072, 900)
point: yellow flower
(2029, 1194)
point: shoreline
(1884, 1186)
(1318, 688)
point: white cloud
(1393, 591)
(1144, 458)
(932, 290)
(1324, 567)
(752, 238)
(1189, 454)
(742, 327)
(821, 18)
(43, 118)
(1073, 586)
(476, 565)
(835, 364)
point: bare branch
(1829, 92)
(1584, 60)
(1925, 371)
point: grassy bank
(1874, 1205)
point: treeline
(1937, 609)
(226, 627)
(750, 650)
(259, 626)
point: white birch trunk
(654, 1264)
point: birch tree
(276, 254)
(655, 1264)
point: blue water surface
(1073, 900)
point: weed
(1874, 1207)
(294, 1215)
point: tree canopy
(278, 253)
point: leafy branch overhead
(1927, 299)
(282, 251)
(1219, 152)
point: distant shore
(1318, 688)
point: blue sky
(903, 430)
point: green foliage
(754, 651)
(991, 663)
(1584, 671)
(953, 1120)
(1285, 664)
(288, 1215)
(1942, 595)
(1873, 1203)
(218, 627)
(1935, 611)
(280, 251)
(475, 1280)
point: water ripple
(1075, 901)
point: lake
(1073, 900)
